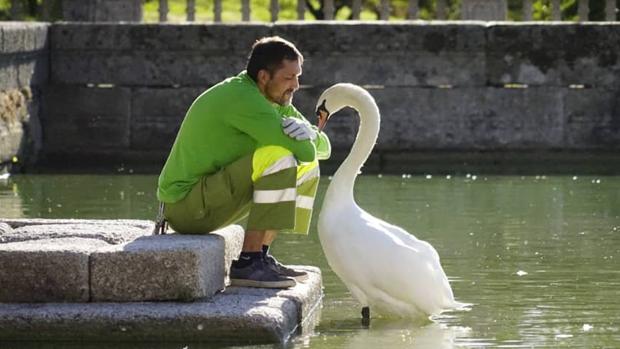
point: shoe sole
(262, 284)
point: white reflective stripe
(274, 196)
(282, 164)
(304, 202)
(308, 175)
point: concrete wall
(23, 76)
(119, 92)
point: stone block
(48, 270)
(5, 229)
(75, 10)
(211, 39)
(109, 232)
(453, 118)
(559, 54)
(131, 223)
(233, 236)
(91, 36)
(201, 55)
(33, 70)
(469, 118)
(592, 119)
(102, 10)
(484, 10)
(306, 293)
(118, 10)
(168, 267)
(207, 38)
(157, 114)
(420, 68)
(8, 72)
(235, 316)
(417, 55)
(144, 68)
(23, 37)
(86, 118)
(353, 37)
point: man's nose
(296, 84)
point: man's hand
(297, 129)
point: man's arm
(264, 125)
(321, 142)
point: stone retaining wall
(118, 92)
(23, 76)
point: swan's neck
(341, 187)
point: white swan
(382, 265)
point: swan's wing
(400, 236)
(382, 259)
(410, 269)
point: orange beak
(322, 116)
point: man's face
(280, 86)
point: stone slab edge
(237, 315)
(22, 222)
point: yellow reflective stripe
(306, 167)
(265, 157)
(314, 172)
(274, 196)
(304, 202)
(282, 164)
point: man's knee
(271, 159)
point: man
(244, 150)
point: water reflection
(537, 256)
(78, 196)
(389, 333)
(11, 204)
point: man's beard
(287, 98)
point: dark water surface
(537, 256)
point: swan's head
(333, 99)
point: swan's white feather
(383, 266)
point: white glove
(298, 129)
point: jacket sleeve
(261, 122)
(321, 142)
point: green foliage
(541, 9)
(31, 10)
(231, 10)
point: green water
(537, 256)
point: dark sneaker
(284, 270)
(259, 274)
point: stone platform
(111, 280)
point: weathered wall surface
(23, 76)
(119, 92)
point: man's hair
(268, 53)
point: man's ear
(263, 76)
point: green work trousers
(269, 185)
